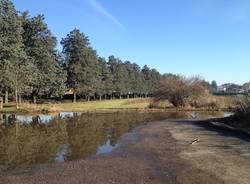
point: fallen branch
(195, 141)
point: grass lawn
(89, 106)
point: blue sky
(210, 38)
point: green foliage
(119, 73)
(214, 85)
(48, 78)
(84, 73)
(105, 86)
(14, 67)
(31, 66)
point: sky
(210, 38)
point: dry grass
(88, 106)
(207, 102)
(203, 103)
(211, 102)
(241, 118)
(163, 104)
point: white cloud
(100, 9)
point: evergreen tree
(81, 61)
(30, 65)
(214, 85)
(15, 69)
(130, 78)
(137, 79)
(40, 47)
(120, 76)
(146, 78)
(155, 80)
(106, 87)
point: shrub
(243, 108)
(207, 102)
(177, 89)
(156, 104)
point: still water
(26, 140)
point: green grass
(89, 106)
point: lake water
(27, 140)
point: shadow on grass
(9, 105)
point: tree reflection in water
(64, 139)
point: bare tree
(178, 89)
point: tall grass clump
(242, 112)
(243, 108)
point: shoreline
(104, 110)
(136, 104)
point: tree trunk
(1, 102)
(74, 100)
(100, 97)
(16, 98)
(20, 99)
(88, 98)
(16, 129)
(34, 99)
(1, 117)
(6, 97)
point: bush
(243, 108)
(156, 104)
(241, 118)
(207, 102)
(178, 90)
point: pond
(27, 140)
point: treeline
(31, 66)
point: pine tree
(138, 82)
(214, 86)
(40, 47)
(15, 69)
(155, 80)
(81, 61)
(119, 76)
(30, 65)
(146, 79)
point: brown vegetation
(243, 107)
(189, 93)
(178, 90)
(241, 117)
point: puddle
(27, 140)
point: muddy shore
(155, 153)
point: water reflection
(28, 140)
(29, 118)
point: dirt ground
(156, 153)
